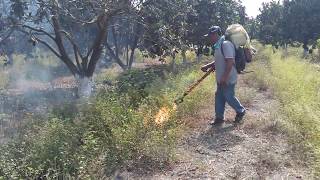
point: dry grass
(295, 84)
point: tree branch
(64, 56)
(77, 58)
(101, 22)
(69, 37)
(115, 40)
(43, 42)
(38, 30)
(118, 60)
(48, 46)
(94, 20)
(97, 45)
(7, 36)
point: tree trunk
(63, 53)
(138, 34)
(85, 86)
(285, 54)
(305, 53)
(127, 55)
(184, 57)
(116, 58)
(97, 46)
(199, 56)
(305, 48)
(131, 58)
(115, 41)
(173, 65)
(85, 71)
(199, 53)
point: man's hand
(207, 66)
(225, 78)
(223, 82)
(204, 68)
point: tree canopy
(79, 32)
(289, 22)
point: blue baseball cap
(214, 29)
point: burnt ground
(256, 149)
(32, 98)
(26, 98)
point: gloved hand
(208, 66)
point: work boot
(239, 117)
(217, 121)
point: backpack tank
(237, 35)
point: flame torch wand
(193, 86)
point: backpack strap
(221, 48)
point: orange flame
(164, 114)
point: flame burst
(164, 114)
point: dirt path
(257, 149)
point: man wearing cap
(226, 76)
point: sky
(252, 6)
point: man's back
(220, 61)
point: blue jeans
(226, 94)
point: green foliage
(111, 132)
(296, 84)
(18, 8)
(133, 83)
(252, 27)
(138, 56)
(115, 128)
(67, 111)
(269, 20)
(190, 57)
(179, 23)
(207, 13)
(48, 149)
(289, 22)
(300, 20)
(108, 133)
(165, 25)
(154, 26)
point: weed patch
(296, 85)
(117, 129)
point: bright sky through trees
(253, 6)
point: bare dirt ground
(257, 149)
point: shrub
(47, 149)
(134, 83)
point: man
(226, 76)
